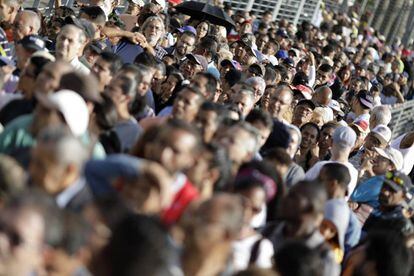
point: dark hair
(310, 124)
(233, 76)
(389, 252)
(270, 73)
(327, 50)
(72, 233)
(105, 113)
(278, 138)
(80, 83)
(210, 44)
(128, 85)
(221, 161)
(269, 171)
(38, 63)
(338, 172)
(333, 125)
(146, 59)
(95, 14)
(138, 245)
(113, 59)
(260, 115)
(326, 68)
(278, 155)
(296, 258)
(313, 194)
(300, 78)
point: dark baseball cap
(308, 103)
(97, 46)
(398, 181)
(83, 24)
(365, 99)
(199, 59)
(33, 42)
(282, 33)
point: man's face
(5, 11)
(68, 43)
(49, 78)
(323, 77)
(200, 82)
(244, 102)
(186, 106)
(263, 131)
(185, 45)
(381, 165)
(145, 84)
(153, 32)
(302, 114)
(207, 122)
(279, 103)
(102, 70)
(372, 142)
(176, 151)
(239, 144)
(21, 27)
(45, 172)
(258, 92)
(309, 137)
(189, 68)
(325, 140)
(388, 197)
(26, 81)
(157, 80)
(269, 49)
(114, 91)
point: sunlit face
(186, 105)
(202, 29)
(153, 32)
(69, 43)
(185, 45)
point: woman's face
(202, 29)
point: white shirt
(79, 66)
(242, 250)
(64, 197)
(407, 153)
(313, 173)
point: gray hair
(34, 19)
(149, 20)
(382, 115)
(257, 80)
(65, 148)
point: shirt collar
(64, 197)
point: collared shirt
(64, 197)
(79, 66)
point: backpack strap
(255, 251)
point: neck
(123, 114)
(202, 263)
(340, 155)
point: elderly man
(258, 85)
(26, 23)
(69, 45)
(380, 115)
(56, 166)
(279, 102)
(244, 98)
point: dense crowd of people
(143, 141)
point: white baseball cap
(138, 2)
(395, 156)
(161, 3)
(383, 133)
(71, 105)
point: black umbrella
(203, 11)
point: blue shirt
(368, 191)
(126, 50)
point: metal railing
(402, 118)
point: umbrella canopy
(203, 11)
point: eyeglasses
(395, 179)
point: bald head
(323, 95)
(26, 23)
